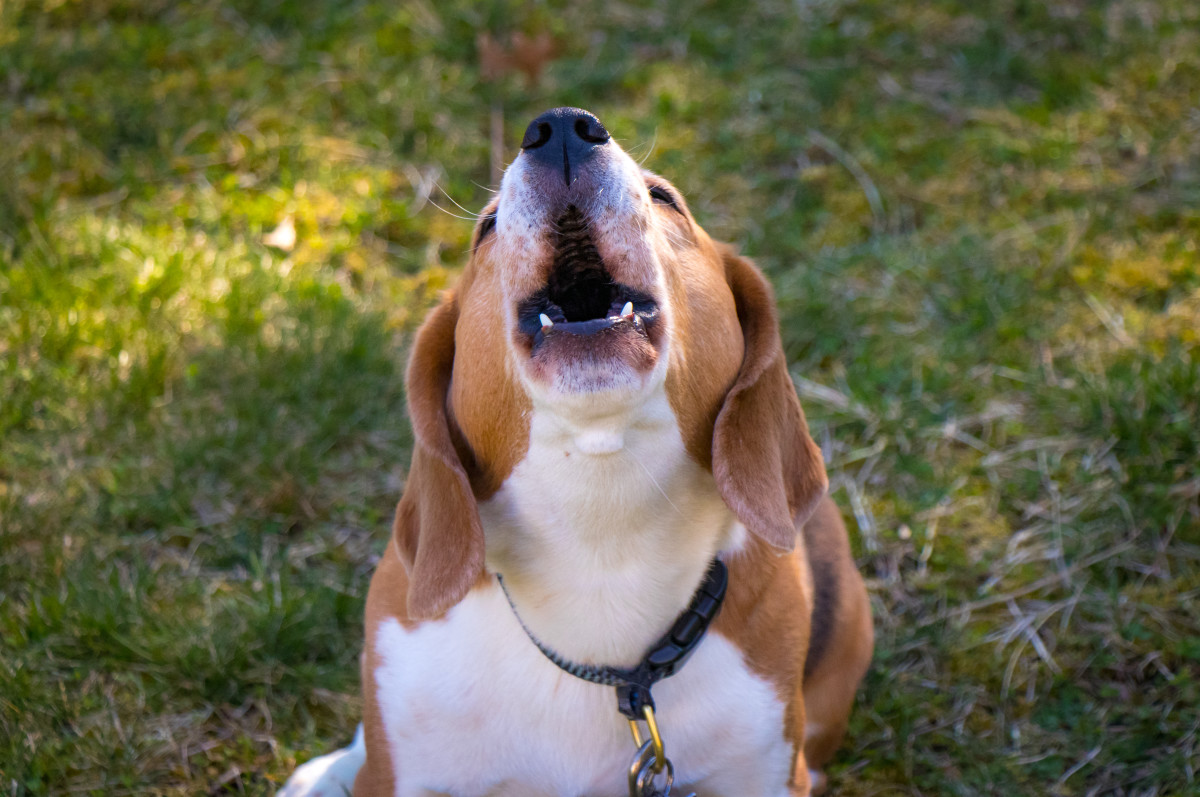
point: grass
(982, 224)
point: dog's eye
(663, 197)
(486, 226)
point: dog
(604, 423)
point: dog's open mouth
(581, 299)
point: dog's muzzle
(581, 309)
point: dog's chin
(611, 365)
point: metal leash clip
(650, 761)
(642, 772)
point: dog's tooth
(546, 322)
(627, 310)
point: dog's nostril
(590, 130)
(537, 134)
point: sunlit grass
(981, 222)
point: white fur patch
(471, 708)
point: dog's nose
(564, 138)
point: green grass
(982, 224)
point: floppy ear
(437, 528)
(767, 467)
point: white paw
(330, 775)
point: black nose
(564, 138)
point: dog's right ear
(766, 465)
(437, 528)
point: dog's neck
(604, 530)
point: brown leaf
(494, 61)
(530, 55)
(526, 54)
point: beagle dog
(601, 409)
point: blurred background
(221, 220)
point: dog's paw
(329, 775)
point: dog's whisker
(649, 152)
(675, 238)
(473, 214)
(485, 244)
(657, 486)
(455, 215)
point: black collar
(665, 656)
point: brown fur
(387, 597)
(488, 408)
(470, 423)
(707, 343)
(832, 674)
(765, 616)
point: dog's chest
(470, 707)
(602, 534)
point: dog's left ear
(437, 529)
(767, 467)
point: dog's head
(590, 287)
